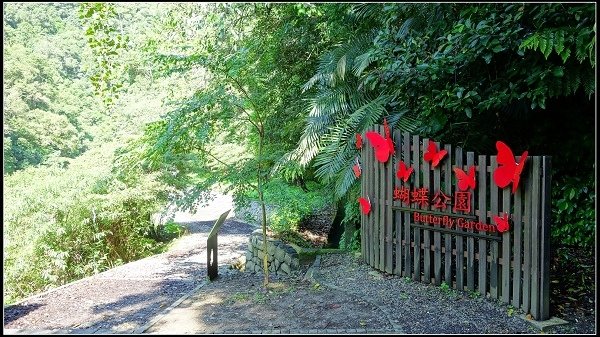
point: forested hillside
(112, 112)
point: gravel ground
(427, 309)
(237, 302)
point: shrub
(573, 211)
(292, 204)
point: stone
(295, 263)
(250, 266)
(280, 254)
(290, 250)
(544, 325)
(261, 255)
(277, 263)
(286, 268)
(249, 255)
(287, 258)
(376, 275)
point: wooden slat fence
(512, 266)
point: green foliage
(573, 212)
(45, 98)
(445, 288)
(351, 221)
(292, 203)
(354, 244)
(65, 223)
(467, 74)
(100, 21)
(444, 71)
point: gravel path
(126, 297)
(418, 308)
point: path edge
(163, 313)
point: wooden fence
(512, 266)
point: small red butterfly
(358, 141)
(403, 173)
(502, 223)
(357, 169)
(465, 181)
(508, 170)
(433, 155)
(365, 205)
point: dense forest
(117, 111)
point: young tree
(249, 61)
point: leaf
(469, 112)
(497, 48)
(543, 43)
(558, 72)
(549, 44)
(565, 54)
(487, 58)
(559, 41)
(459, 93)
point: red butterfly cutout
(358, 141)
(403, 173)
(386, 129)
(502, 223)
(433, 155)
(357, 169)
(465, 181)
(365, 205)
(508, 170)
(384, 147)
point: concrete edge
(544, 325)
(163, 313)
(313, 275)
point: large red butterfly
(357, 169)
(508, 170)
(384, 147)
(388, 137)
(433, 155)
(465, 181)
(365, 205)
(358, 141)
(403, 173)
(502, 223)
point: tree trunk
(263, 209)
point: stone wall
(282, 259)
